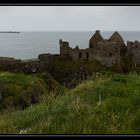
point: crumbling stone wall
(74, 53)
(95, 39)
(64, 47)
(107, 52)
(134, 50)
(47, 57)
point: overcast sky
(69, 18)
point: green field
(79, 110)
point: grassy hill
(18, 90)
(80, 111)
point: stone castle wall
(134, 51)
(105, 51)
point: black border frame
(70, 4)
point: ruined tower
(95, 39)
(64, 47)
(134, 51)
(116, 37)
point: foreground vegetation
(20, 90)
(108, 103)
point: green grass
(18, 90)
(78, 111)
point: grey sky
(69, 18)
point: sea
(28, 45)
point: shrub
(120, 78)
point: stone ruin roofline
(105, 41)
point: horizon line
(61, 30)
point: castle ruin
(107, 51)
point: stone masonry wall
(134, 50)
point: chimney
(60, 41)
(98, 31)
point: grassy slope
(20, 90)
(79, 111)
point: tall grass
(78, 111)
(18, 90)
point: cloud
(69, 17)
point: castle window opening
(136, 46)
(90, 45)
(115, 49)
(80, 55)
(87, 55)
(110, 54)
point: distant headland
(9, 32)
